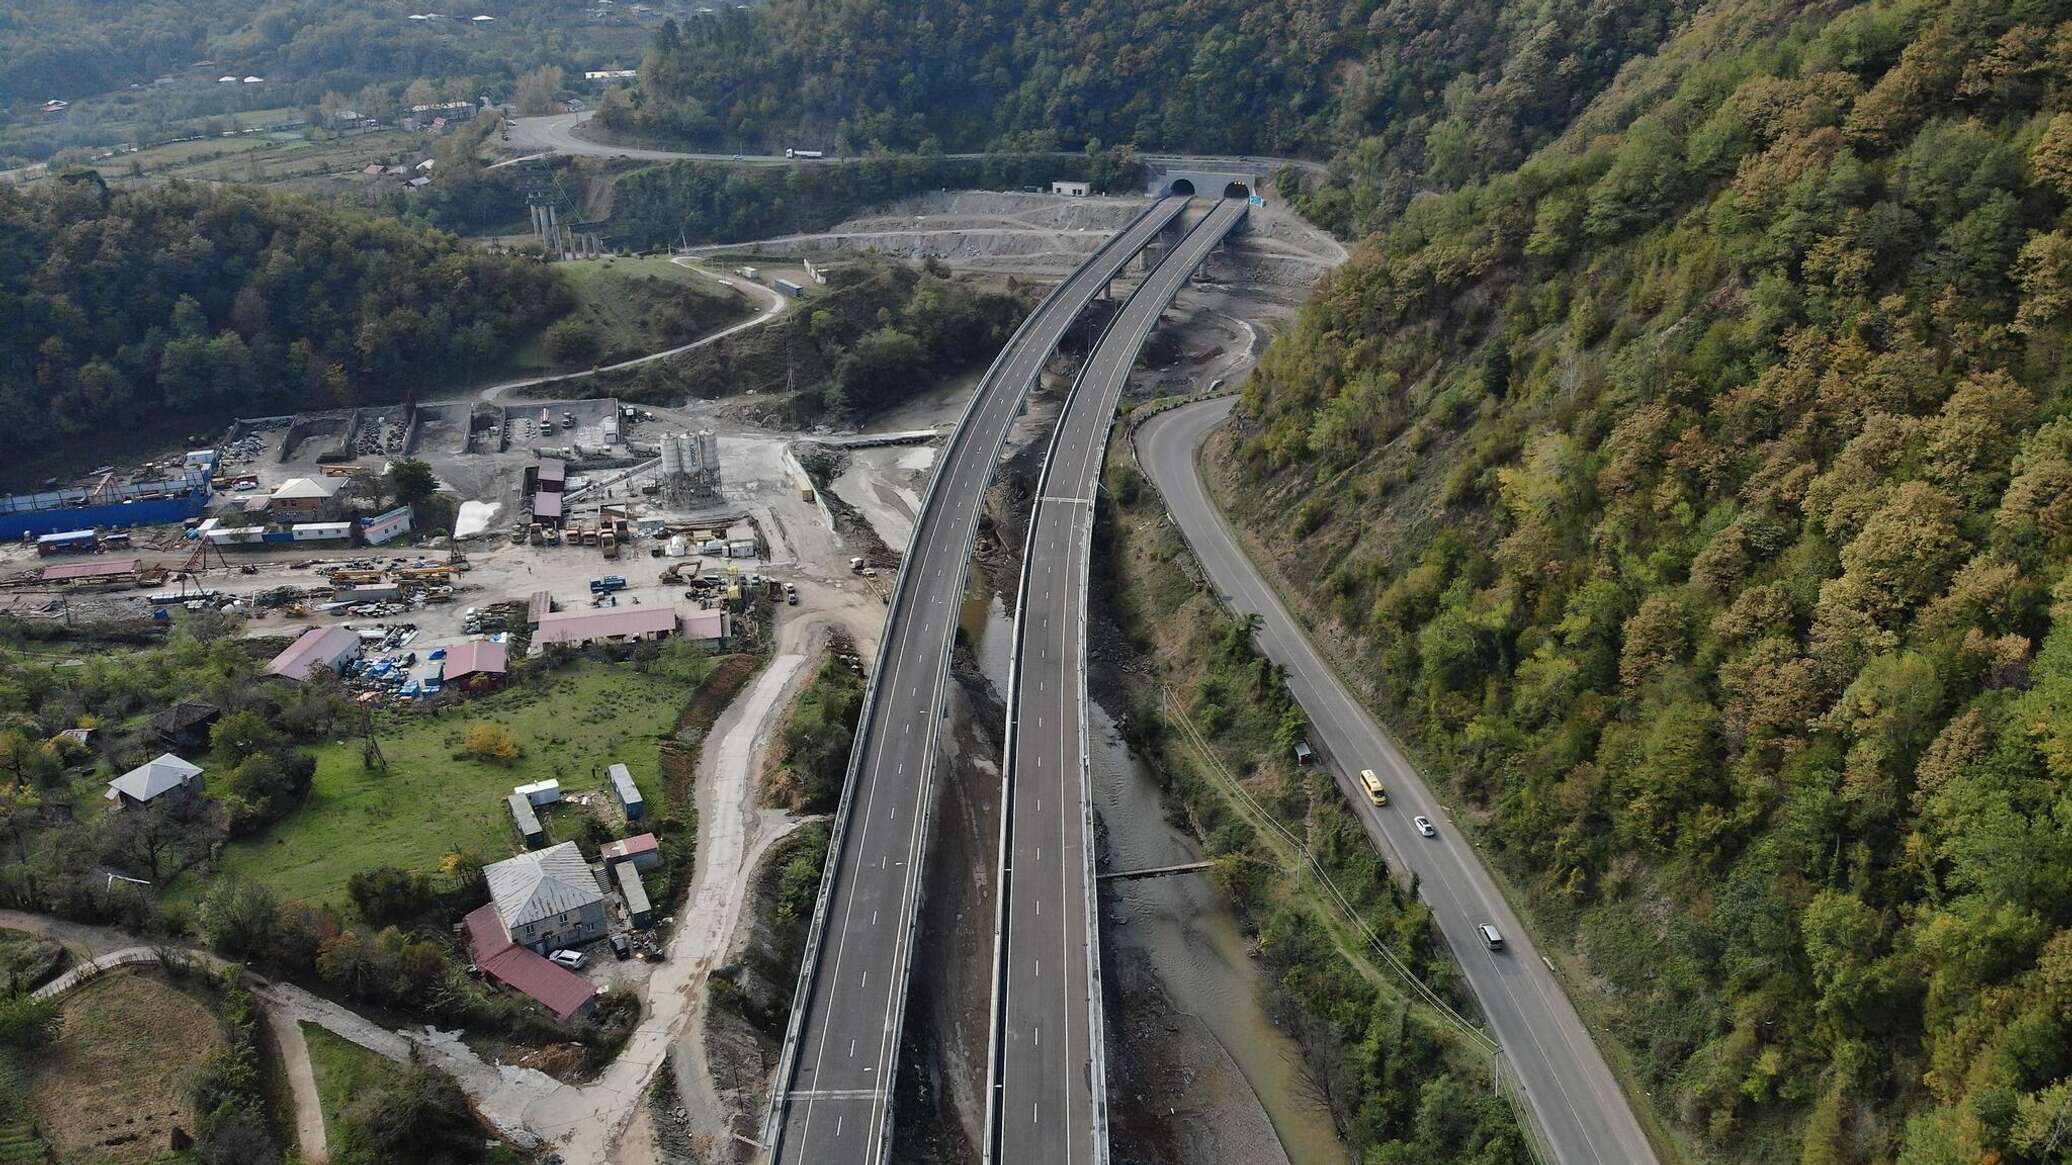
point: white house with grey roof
(154, 779)
(547, 899)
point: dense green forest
(134, 309)
(1406, 94)
(1699, 496)
(716, 202)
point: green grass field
(616, 297)
(267, 159)
(428, 803)
(342, 1068)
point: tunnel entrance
(1180, 186)
(1237, 190)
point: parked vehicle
(621, 949)
(571, 960)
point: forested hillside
(1699, 496)
(1408, 93)
(130, 311)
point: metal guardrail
(1097, 1036)
(896, 611)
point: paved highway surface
(1049, 1098)
(833, 1103)
(1577, 1104)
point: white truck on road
(792, 153)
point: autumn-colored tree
(492, 742)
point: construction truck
(536, 534)
(609, 542)
(355, 578)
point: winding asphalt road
(1048, 1101)
(778, 303)
(832, 1102)
(1575, 1101)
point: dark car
(621, 949)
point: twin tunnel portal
(1185, 186)
(1046, 1090)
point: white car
(572, 960)
(1424, 825)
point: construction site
(546, 496)
(553, 504)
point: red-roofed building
(576, 628)
(561, 992)
(476, 663)
(641, 849)
(107, 570)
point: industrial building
(539, 793)
(478, 664)
(525, 821)
(641, 851)
(314, 498)
(105, 572)
(709, 629)
(547, 900)
(627, 792)
(580, 628)
(143, 503)
(386, 527)
(638, 912)
(546, 509)
(690, 468)
(319, 647)
(68, 542)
